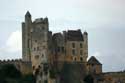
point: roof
(85, 33)
(74, 35)
(28, 14)
(93, 60)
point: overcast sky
(104, 20)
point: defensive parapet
(23, 66)
(41, 20)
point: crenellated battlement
(23, 66)
(41, 20)
(10, 61)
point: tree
(9, 71)
(89, 79)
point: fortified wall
(22, 66)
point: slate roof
(93, 60)
(74, 35)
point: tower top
(28, 14)
(85, 33)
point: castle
(58, 57)
(44, 48)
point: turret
(85, 37)
(28, 20)
(26, 34)
(94, 66)
(27, 16)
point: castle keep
(44, 48)
(40, 45)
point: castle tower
(94, 66)
(76, 46)
(26, 37)
(39, 36)
(85, 45)
(35, 45)
(39, 50)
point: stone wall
(22, 66)
(72, 73)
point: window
(44, 47)
(37, 57)
(33, 67)
(42, 55)
(81, 45)
(34, 49)
(35, 40)
(43, 28)
(73, 52)
(73, 45)
(39, 66)
(58, 49)
(62, 49)
(81, 52)
(74, 58)
(46, 72)
(28, 43)
(37, 48)
(81, 59)
(41, 73)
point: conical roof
(93, 60)
(28, 14)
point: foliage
(9, 74)
(52, 73)
(88, 79)
(9, 71)
(27, 79)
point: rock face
(73, 73)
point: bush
(9, 71)
(89, 79)
(9, 74)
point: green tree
(89, 79)
(9, 71)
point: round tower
(85, 37)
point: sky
(104, 20)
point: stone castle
(44, 48)
(59, 57)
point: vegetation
(10, 74)
(89, 79)
(52, 73)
